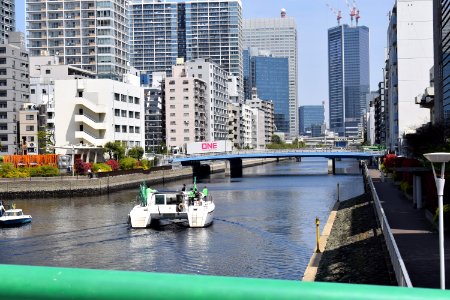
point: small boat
(13, 216)
(194, 207)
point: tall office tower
(310, 115)
(91, 35)
(348, 78)
(14, 90)
(410, 58)
(279, 36)
(441, 24)
(270, 77)
(155, 116)
(8, 19)
(161, 32)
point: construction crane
(337, 13)
(354, 12)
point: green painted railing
(27, 282)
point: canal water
(264, 226)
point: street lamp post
(73, 160)
(440, 182)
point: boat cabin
(166, 199)
(13, 213)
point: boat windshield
(168, 199)
(13, 213)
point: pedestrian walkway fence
(30, 282)
(398, 265)
(31, 160)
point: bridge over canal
(235, 159)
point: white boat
(13, 216)
(197, 209)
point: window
(185, 81)
(130, 99)
(137, 129)
(117, 112)
(117, 128)
(186, 130)
(172, 98)
(173, 131)
(33, 91)
(172, 107)
(131, 129)
(130, 114)
(186, 106)
(186, 139)
(3, 104)
(172, 90)
(3, 126)
(116, 97)
(186, 114)
(29, 117)
(172, 139)
(185, 90)
(172, 114)
(137, 115)
(136, 100)
(171, 123)
(124, 113)
(29, 128)
(123, 98)
(47, 71)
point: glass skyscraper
(161, 32)
(310, 115)
(348, 78)
(270, 76)
(279, 36)
(8, 17)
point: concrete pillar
(235, 167)
(332, 166)
(417, 191)
(227, 168)
(88, 154)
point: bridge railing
(29, 282)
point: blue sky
(313, 19)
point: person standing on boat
(191, 196)
(205, 191)
(183, 189)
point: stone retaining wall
(67, 186)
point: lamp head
(438, 157)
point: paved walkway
(416, 239)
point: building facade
(91, 35)
(310, 115)
(186, 120)
(264, 123)
(441, 25)
(8, 19)
(217, 97)
(155, 116)
(161, 32)
(28, 128)
(270, 77)
(14, 90)
(410, 57)
(96, 111)
(348, 78)
(279, 36)
(240, 125)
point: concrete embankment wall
(67, 186)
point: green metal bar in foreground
(27, 282)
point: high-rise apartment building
(161, 32)
(310, 115)
(441, 24)
(14, 90)
(410, 58)
(91, 35)
(348, 78)
(7, 18)
(279, 36)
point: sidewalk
(416, 239)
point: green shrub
(101, 167)
(446, 215)
(405, 187)
(44, 171)
(146, 164)
(9, 171)
(128, 163)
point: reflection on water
(264, 226)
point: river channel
(264, 226)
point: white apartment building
(97, 111)
(14, 90)
(28, 128)
(91, 35)
(279, 36)
(410, 57)
(8, 18)
(43, 72)
(258, 129)
(240, 118)
(265, 116)
(216, 95)
(186, 118)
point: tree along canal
(264, 226)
